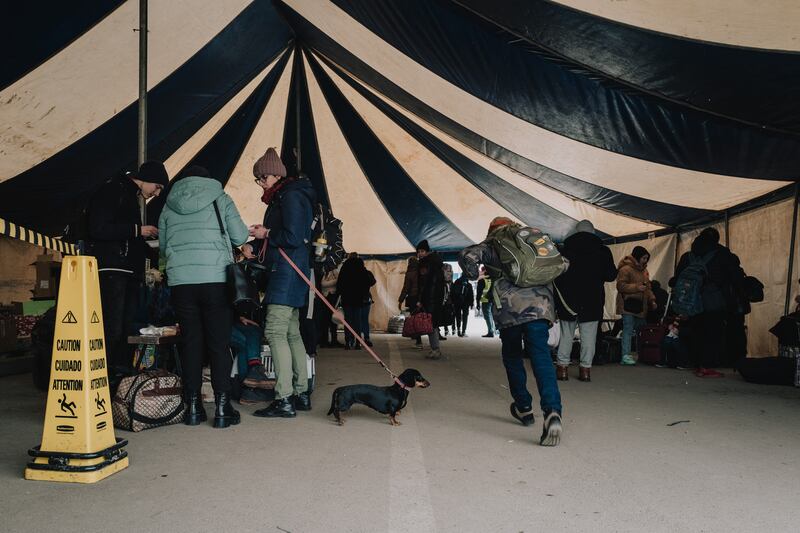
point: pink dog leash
(344, 322)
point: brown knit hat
(269, 164)
(499, 221)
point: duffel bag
(148, 400)
(417, 324)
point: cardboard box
(47, 274)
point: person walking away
(524, 317)
(484, 301)
(580, 296)
(447, 310)
(197, 252)
(354, 286)
(409, 295)
(116, 237)
(463, 300)
(287, 226)
(634, 297)
(431, 292)
(720, 293)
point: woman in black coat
(431, 292)
(353, 286)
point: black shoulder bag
(242, 290)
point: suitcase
(649, 343)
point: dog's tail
(334, 401)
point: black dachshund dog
(387, 400)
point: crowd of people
(200, 232)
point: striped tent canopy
(415, 119)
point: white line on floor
(410, 506)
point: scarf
(269, 194)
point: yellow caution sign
(78, 441)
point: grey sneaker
(551, 432)
(434, 354)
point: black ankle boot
(195, 412)
(282, 408)
(302, 401)
(225, 415)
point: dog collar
(402, 385)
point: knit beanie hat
(153, 172)
(423, 245)
(499, 221)
(269, 164)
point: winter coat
(724, 273)
(518, 305)
(115, 227)
(582, 286)
(629, 279)
(189, 234)
(288, 218)
(432, 288)
(354, 283)
(410, 293)
(462, 294)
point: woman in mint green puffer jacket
(197, 253)
(189, 235)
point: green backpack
(527, 256)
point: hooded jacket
(189, 234)
(432, 291)
(354, 283)
(518, 305)
(725, 273)
(582, 286)
(288, 218)
(410, 292)
(630, 278)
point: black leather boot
(195, 412)
(282, 408)
(225, 415)
(302, 401)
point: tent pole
(142, 154)
(727, 230)
(791, 250)
(299, 65)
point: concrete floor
(458, 463)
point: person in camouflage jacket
(524, 316)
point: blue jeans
(530, 340)
(487, 316)
(630, 325)
(246, 344)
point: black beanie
(423, 245)
(153, 172)
(639, 252)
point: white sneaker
(434, 354)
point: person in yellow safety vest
(484, 301)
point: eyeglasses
(259, 180)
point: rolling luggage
(649, 342)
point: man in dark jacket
(524, 316)
(721, 294)
(580, 296)
(117, 240)
(287, 226)
(462, 297)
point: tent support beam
(299, 63)
(791, 250)
(142, 152)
